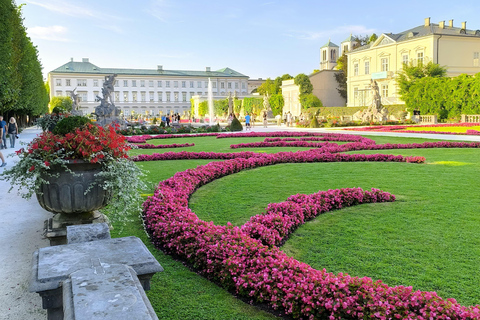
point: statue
(74, 97)
(266, 104)
(106, 112)
(230, 103)
(375, 112)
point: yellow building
(455, 48)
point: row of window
(160, 83)
(384, 63)
(125, 96)
(364, 94)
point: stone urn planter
(65, 195)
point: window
(419, 58)
(214, 85)
(355, 93)
(199, 93)
(58, 82)
(243, 85)
(384, 64)
(355, 69)
(125, 96)
(229, 85)
(184, 96)
(175, 84)
(168, 96)
(58, 93)
(95, 94)
(324, 55)
(116, 83)
(199, 84)
(95, 83)
(81, 82)
(125, 83)
(167, 84)
(476, 56)
(160, 96)
(405, 59)
(222, 85)
(175, 94)
(191, 84)
(134, 95)
(159, 83)
(333, 55)
(134, 83)
(151, 96)
(192, 94)
(150, 83)
(67, 82)
(143, 96)
(345, 48)
(184, 84)
(206, 84)
(236, 85)
(82, 96)
(367, 67)
(384, 90)
(117, 96)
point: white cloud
(159, 9)
(64, 8)
(315, 35)
(52, 33)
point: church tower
(328, 56)
(348, 45)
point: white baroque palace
(144, 91)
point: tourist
(3, 133)
(279, 119)
(247, 122)
(12, 131)
(285, 118)
(264, 119)
(253, 120)
(167, 119)
(230, 119)
(3, 160)
(289, 119)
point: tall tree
(341, 77)
(412, 72)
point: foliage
(70, 124)
(314, 123)
(267, 87)
(236, 125)
(276, 102)
(23, 91)
(91, 144)
(412, 72)
(203, 108)
(49, 120)
(61, 104)
(220, 107)
(310, 101)
(252, 105)
(341, 77)
(304, 84)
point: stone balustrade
(470, 118)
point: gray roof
(422, 31)
(329, 44)
(90, 68)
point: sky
(258, 38)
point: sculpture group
(375, 112)
(106, 112)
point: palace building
(454, 47)
(144, 91)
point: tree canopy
(22, 90)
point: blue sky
(260, 39)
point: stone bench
(105, 292)
(52, 266)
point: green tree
(63, 103)
(276, 103)
(304, 84)
(341, 76)
(203, 108)
(220, 107)
(412, 72)
(310, 101)
(267, 87)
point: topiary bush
(236, 125)
(314, 123)
(69, 124)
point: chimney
(159, 67)
(208, 69)
(450, 23)
(71, 59)
(464, 25)
(441, 24)
(427, 22)
(84, 59)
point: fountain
(210, 102)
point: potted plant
(77, 169)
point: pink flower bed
(164, 146)
(144, 138)
(401, 128)
(246, 260)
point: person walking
(3, 133)
(247, 122)
(3, 160)
(12, 131)
(265, 119)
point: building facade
(456, 48)
(144, 91)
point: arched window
(333, 54)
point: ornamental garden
(310, 226)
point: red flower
(47, 163)
(31, 168)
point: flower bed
(402, 128)
(263, 273)
(164, 146)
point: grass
(427, 239)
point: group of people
(288, 119)
(10, 129)
(174, 119)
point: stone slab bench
(53, 265)
(105, 292)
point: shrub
(236, 125)
(314, 123)
(69, 124)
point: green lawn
(427, 239)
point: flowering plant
(49, 120)
(89, 143)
